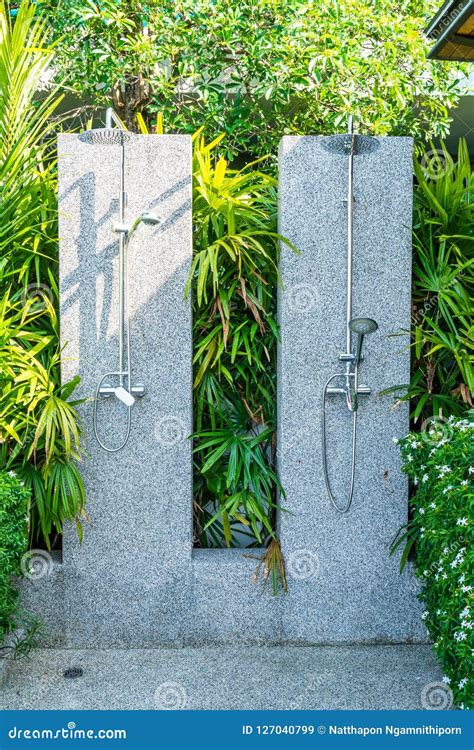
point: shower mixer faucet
(123, 390)
(348, 144)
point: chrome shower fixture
(147, 218)
(123, 390)
(349, 144)
(108, 136)
(361, 326)
(104, 136)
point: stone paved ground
(224, 677)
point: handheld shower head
(149, 218)
(361, 326)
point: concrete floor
(224, 677)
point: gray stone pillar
(126, 582)
(344, 586)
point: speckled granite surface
(346, 586)
(223, 677)
(118, 586)
(136, 581)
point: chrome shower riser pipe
(350, 239)
(122, 262)
(360, 326)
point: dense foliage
(14, 501)
(39, 432)
(234, 278)
(443, 285)
(440, 464)
(256, 69)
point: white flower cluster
(459, 559)
(464, 588)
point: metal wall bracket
(362, 390)
(344, 357)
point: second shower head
(363, 326)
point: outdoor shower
(349, 144)
(123, 390)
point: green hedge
(440, 464)
(14, 500)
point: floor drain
(73, 672)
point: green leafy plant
(257, 69)
(440, 465)
(39, 424)
(234, 278)
(442, 379)
(443, 367)
(14, 500)
(39, 429)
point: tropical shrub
(234, 278)
(442, 380)
(440, 465)
(14, 501)
(257, 69)
(39, 431)
(39, 424)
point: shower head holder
(147, 217)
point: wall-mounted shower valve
(137, 391)
(362, 390)
(124, 396)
